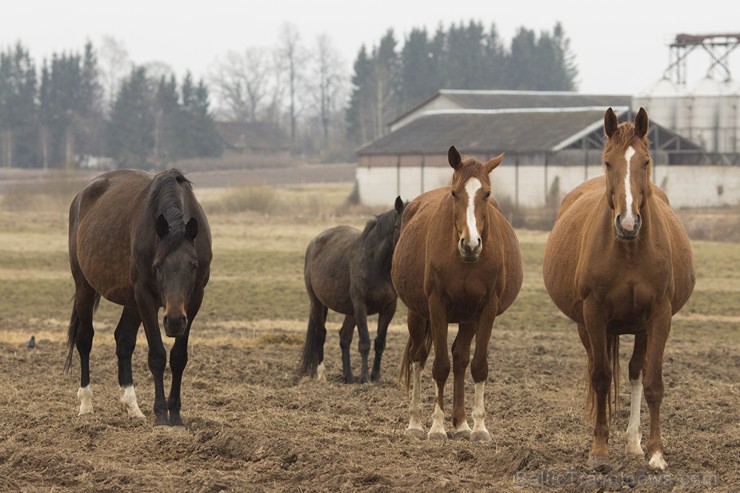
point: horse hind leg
(363, 339)
(125, 336)
(415, 355)
(345, 341)
(81, 335)
(636, 367)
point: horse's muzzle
(623, 227)
(175, 326)
(467, 253)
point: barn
(552, 141)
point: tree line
(97, 103)
(389, 80)
(58, 116)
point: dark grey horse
(349, 271)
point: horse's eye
(608, 166)
(647, 162)
(194, 265)
(487, 195)
(454, 195)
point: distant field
(250, 424)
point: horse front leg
(157, 358)
(384, 320)
(657, 335)
(125, 335)
(460, 360)
(601, 377)
(636, 368)
(178, 362)
(441, 366)
(363, 336)
(479, 371)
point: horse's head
(176, 267)
(627, 166)
(471, 192)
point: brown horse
(140, 241)
(457, 261)
(618, 261)
(349, 271)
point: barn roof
(510, 130)
(500, 99)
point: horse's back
(327, 267)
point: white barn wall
(687, 186)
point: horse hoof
(657, 462)
(161, 421)
(437, 436)
(175, 420)
(349, 379)
(375, 377)
(595, 461)
(462, 435)
(415, 433)
(480, 436)
(635, 449)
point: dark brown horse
(141, 241)
(618, 261)
(457, 261)
(349, 271)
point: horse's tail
(612, 352)
(409, 356)
(74, 323)
(311, 349)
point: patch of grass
(260, 199)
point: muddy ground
(252, 425)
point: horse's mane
(164, 199)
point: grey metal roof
(501, 99)
(486, 131)
(513, 130)
(533, 99)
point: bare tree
(114, 65)
(329, 83)
(292, 59)
(242, 83)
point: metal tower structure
(718, 46)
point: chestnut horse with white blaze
(457, 261)
(618, 261)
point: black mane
(164, 199)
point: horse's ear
(191, 229)
(641, 123)
(454, 157)
(399, 204)
(491, 164)
(610, 123)
(163, 226)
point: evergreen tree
(359, 109)
(130, 131)
(418, 69)
(18, 112)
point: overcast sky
(619, 46)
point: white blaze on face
(628, 219)
(471, 187)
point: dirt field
(252, 425)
